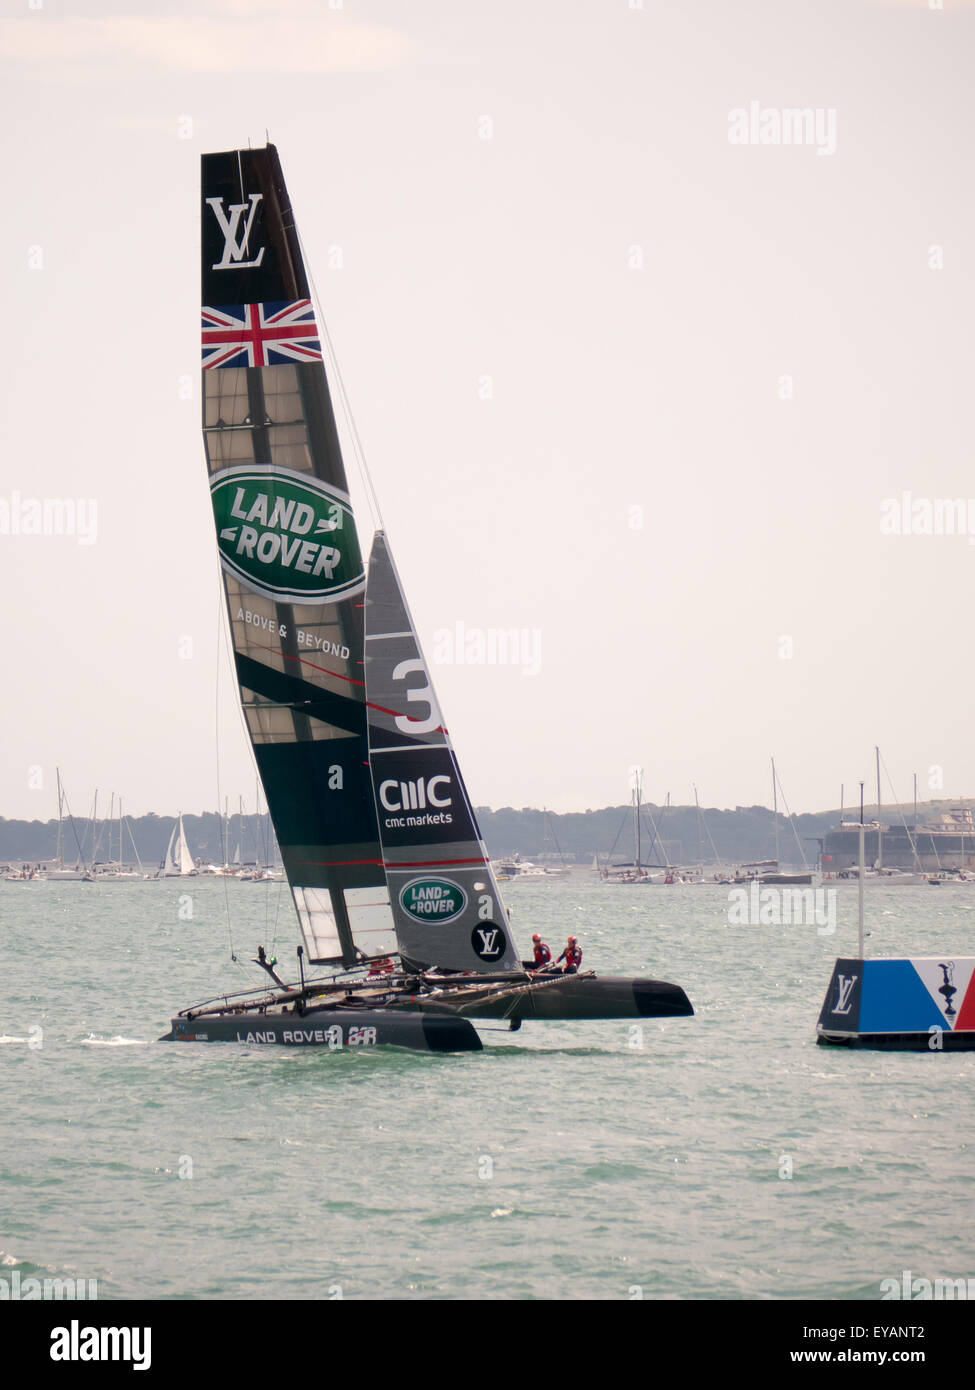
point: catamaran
(395, 893)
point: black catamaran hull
(333, 1029)
(436, 1018)
(570, 997)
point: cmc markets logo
(433, 899)
(286, 535)
(414, 796)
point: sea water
(719, 1156)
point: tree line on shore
(672, 834)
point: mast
(860, 896)
(637, 799)
(135, 851)
(915, 805)
(60, 850)
(775, 814)
(292, 568)
(860, 877)
(880, 834)
(700, 841)
(917, 861)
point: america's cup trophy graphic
(947, 968)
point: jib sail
(292, 566)
(446, 905)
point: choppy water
(583, 1160)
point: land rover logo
(433, 899)
(286, 535)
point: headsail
(291, 562)
(446, 905)
(170, 867)
(185, 860)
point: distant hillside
(683, 836)
(34, 841)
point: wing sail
(447, 908)
(292, 567)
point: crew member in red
(543, 955)
(572, 955)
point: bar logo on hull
(286, 535)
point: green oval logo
(286, 535)
(433, 899)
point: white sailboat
(637, 871)
(116, 870)
(179, 861)
(58, 872)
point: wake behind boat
(393, 887)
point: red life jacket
(542, 954)
(573, 956)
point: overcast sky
(636, 363)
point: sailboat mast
(917, 861)
(860, 876)
(60, 850)
(860, 897)
(915, 805)
(637, 798)
(880, 836)
(775, 813)
(135, 851)
(700, 842)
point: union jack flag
(260, 335)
